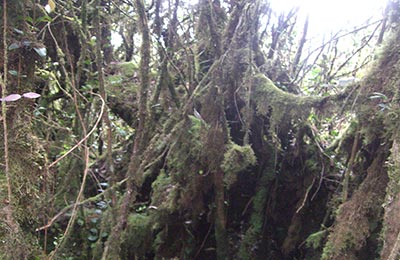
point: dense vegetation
(215, 130)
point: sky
(325, 16)
(331, 15)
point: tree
(223, 142)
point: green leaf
(18, 31)
(335, 132)
(28, 19)
(41, 51)
(80, 222)
(92, 238)
(13, 72)
(374, 97)
(44, 18)
(377, 95)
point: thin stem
(4, 110)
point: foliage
(212, 131)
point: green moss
(284, 106)
(393, 166)
(120, 84)
(236, 159)
(254, 232)
(315, 240)
(334, 249)
(137, 239)
(165, 193)
(115, 80)
(128, 69)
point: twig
(356, 51)
(305, 196)
(65, 210)
(86, 137)
(204, 241)
(247, 206)
(349, 168)
(320, 181)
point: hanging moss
(285, 106)
(236, 159)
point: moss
(120, 83)
(357, 218)
(236, 159)
(164, 192)
(315, 240)
(284, 106)
(137, 239)
(128, 69)
(195, 131)
(333, 249)
(253, 234)
(115, 80)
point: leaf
(92, 238)
(44, 19)
(29, 19)
(10, 98)
(104, 184)
(13, 72)
(13, 46)
(31, 95)
(41, 51)
(101, 204)
(80, 222)
(18, 31)
(377, 95)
